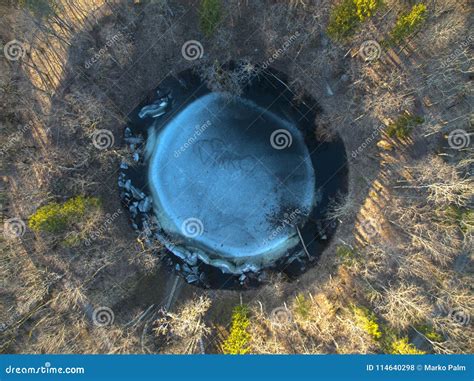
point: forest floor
(88, 70)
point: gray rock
(187, 269)
(192, 278)
(134, 140)
(146, 226)
(145, 205)
(133, 211)
(154, 110)
(162, 93)
(329, 91)
(136, 193)
(192, 259)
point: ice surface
(221, 190)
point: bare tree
(183, 330)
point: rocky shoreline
(136, 197)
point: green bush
(466, 221)
(367, 321)
(346, 254)
(343, 20)
(403, 126)
(210, 14)
(366, 8)
(56, 217)
(302, 306)
(461, 216)
(403, 347)
(347, 15)
(40, 8)
(430, 333)
(408, 23)
(237, 343)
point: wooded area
(396, 277)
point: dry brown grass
(404, 271)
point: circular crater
(232, 186)
(219, 180)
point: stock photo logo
(459, 316)
(289, 219)
(46, 368)
(281, 139)
(370, 50)
(199, 130)
(192, 227)
(14, 228)
(281, 316)
(103, 139)
(119, 37)
(14, 50)
(15, 138)
(278, 53)
(192, 50)
(368, 226)
(103, 317)
(459, 139)
(103, 228)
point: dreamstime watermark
(169, 243)
(370, 50)
(15, 138)
(367, 141)
(14, 50)
(192, 227)
(460, 316)
(458, 51)
(281, 316)
(459, 139)
(280, 51)
(103, 317)
(14, 228)
(289, 220)
(10, 322)
(369, 227)
(110, 42)
(46, 369)
(103, 139)
(105, 226)
(281, 139)
(192, 50)
(199, 129)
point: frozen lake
(230, 180)
(234, 187)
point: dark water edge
(268, 90)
